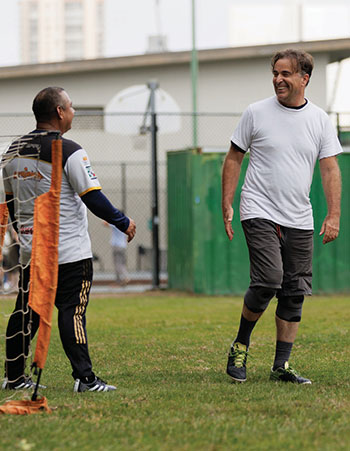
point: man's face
(288, 83)
(67, 112)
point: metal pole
(194, 78)
(153, 85)
(35, 394)
(338, 127)
(123, 183)
(300, 22)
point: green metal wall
(331, 262)
(201, 259)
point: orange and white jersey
(27, 171)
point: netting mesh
(12, 283)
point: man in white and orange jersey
(27, 174)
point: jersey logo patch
(26, 230)
(26, 174)
(90, 172)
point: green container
(201, 259)
(331, 262)
(344, 137)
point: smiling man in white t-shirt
(285, 134)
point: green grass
(167, 354)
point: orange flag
(44, 260)
(25, 407)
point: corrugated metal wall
(200, 257)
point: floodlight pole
(123, 184)
(300, 22)
(153, 85)
(194, 78)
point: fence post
(194, 79)
(155, 218)
(123, 185)
(338, 125)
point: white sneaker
(25, 383)
(97, 385)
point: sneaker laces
(239, 356)
(288, 369)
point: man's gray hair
(303, 60)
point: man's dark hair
(45, 103)
(303, 60)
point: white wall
(223, 86)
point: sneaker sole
(237, 380)
(286, 382)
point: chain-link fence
(122, 162)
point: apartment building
(61, 30)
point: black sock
(245, 329)
(283, 350)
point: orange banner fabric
(25, 407)
(44, 261)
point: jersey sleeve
(80, 173)
(330, 145)
(242, 136)
(6, 182)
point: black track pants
(72, 297)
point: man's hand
(227, 213)
(329, 229)
(131, 230)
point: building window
(33, 33)
(88, 118)
(99, 28)
(73, 19)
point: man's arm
(230, 175)
(100, 206)
(331, 181)
(11, 208)
(83, 180)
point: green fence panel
(201, 259)
(331, 262)
(180, 223)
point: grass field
(166, 352)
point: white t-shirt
(284, 145)
(28, 175)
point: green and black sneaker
(236, 364)
(287, 374)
